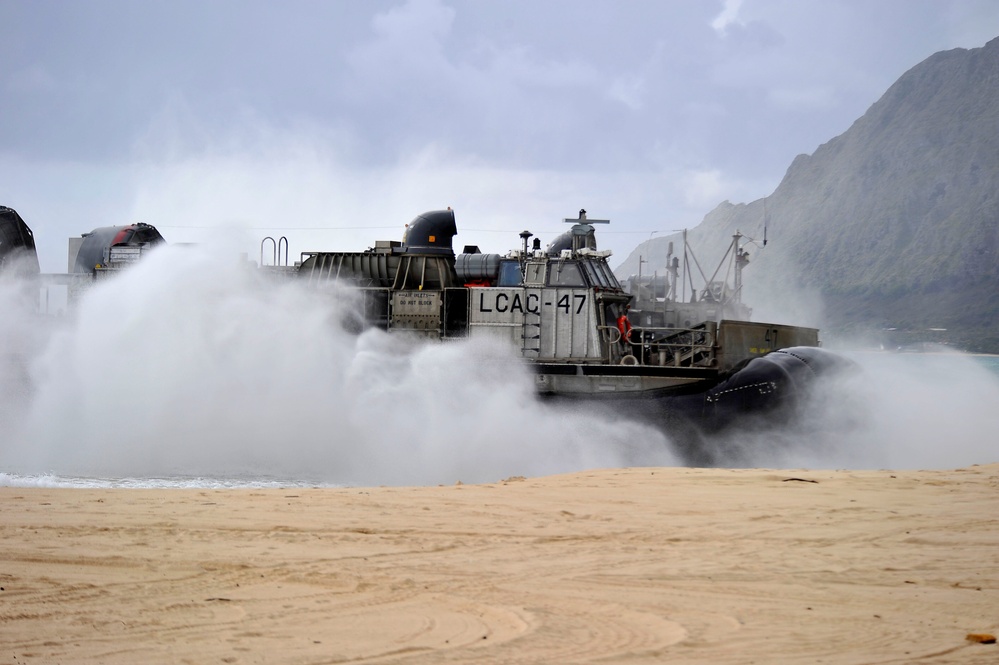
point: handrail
(664, 352)
(273, 251)
(284, 240)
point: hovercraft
(584, 336)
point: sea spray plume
(20, 336)
(469, 411)
(901, 411)
(191, 363)
(924, 410)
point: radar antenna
(583, 219)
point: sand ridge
(619, 565)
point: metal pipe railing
(671, 351)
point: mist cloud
(192, 365)
(895, 411)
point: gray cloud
(203, 114)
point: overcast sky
(335, 123)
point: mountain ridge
(894, 222)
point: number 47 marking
(563, 302)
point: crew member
(624, 326)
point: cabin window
(565, 273)
(609, 275)
(597, 278)
(509, 274)
(535, 273)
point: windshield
(509, 274)
(566, 273)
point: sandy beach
(640, 565)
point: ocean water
(193, 373)
(174, 482)
(990, 363)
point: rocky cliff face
(894, 223)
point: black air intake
(17, 243)
(431, 233)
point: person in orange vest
(624, 326)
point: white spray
(192, 364)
